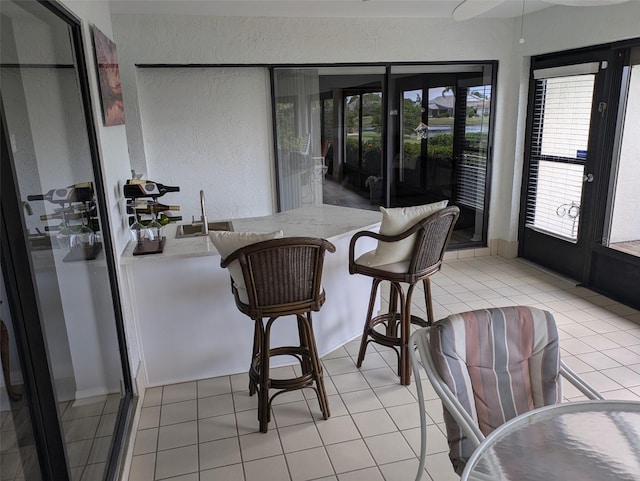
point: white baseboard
(140, 386)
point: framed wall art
(109, 78)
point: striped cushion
(500, 363)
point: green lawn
(432, 121)
(449, 120)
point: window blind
(471, 181)
(562, 113)
(471, 149)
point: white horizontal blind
(566, 116)
(558, 152)
(471, 172)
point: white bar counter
(184, 313)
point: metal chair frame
(421, 357)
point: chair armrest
(579, 383)
(419, 339)
(356, 236)
(229, 259)
(380, 237)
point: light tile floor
(88, 430)
(206, 430)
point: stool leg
(404, 362)
(263, 392)
(254, 353)
(395, 294)
(316, 366)
(367, 323)
(303, 334)
(427, 299)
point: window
(623, 230)
(363, 141)
(558, 152)
(391, 136)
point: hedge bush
(439, 148)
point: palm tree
(449, 89)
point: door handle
(587, 178)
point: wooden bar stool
(409, 257)
(281, 277)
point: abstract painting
(109, 77)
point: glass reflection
(624, 228)
(430, 144)
(46, 123)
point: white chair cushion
(367, 258)
(243, 295)
(499, 362)
(396, 221)
(228, 242)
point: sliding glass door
(439, 141)
(622, 229)
(366, 136)
(66, 393)
(363, 141)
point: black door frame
(600, 268)
(424, 82)
(21, 290)
(29, 336)
(545, 249)
(612, 272)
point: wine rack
(148, 216)
(76, 221)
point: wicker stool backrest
(282, 276)
(432, 237)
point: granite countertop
(329, 222)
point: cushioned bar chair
(488, 366)
(281, 277)
(410, 257)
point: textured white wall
(563, 28)
(144, 39)
(208, 128)
(112, 141)
(220, 40)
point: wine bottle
(74, 193)
(146, 208)
(71, 213)
(162, 218)
(140, 181)
(148, 189)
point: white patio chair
(488, 366)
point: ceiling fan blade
(472, 8)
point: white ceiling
(319, 8)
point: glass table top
(592, 440)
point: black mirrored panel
(46, 125)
